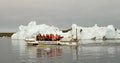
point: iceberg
(76, 32)
(32, 30)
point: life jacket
(47, 36)
(59, 37)
(53, 37)
(39, 36)
(56, 37)
(43, 36)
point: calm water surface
(16, 51)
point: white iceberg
(95, 32)
(32, 30)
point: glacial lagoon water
(16, 51)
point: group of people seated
(48, 37)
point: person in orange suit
(56, 37)
(43, 37)
(53, 37)
(59, 37)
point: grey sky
(61, 13)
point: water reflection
(65, 54)
(49, 51)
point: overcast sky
(61, 13)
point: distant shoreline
(6, 34)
